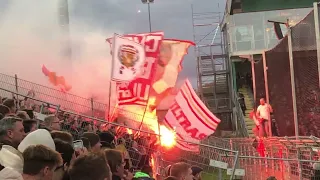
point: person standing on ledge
(263, 113)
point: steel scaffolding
(212, 65)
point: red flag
(55, 80)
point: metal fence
(239, 121)
(217, 162)
(284, 158)
(297, 109)
(67, 101)
(215, 156)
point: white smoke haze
(30, 36)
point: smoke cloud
(31, 37)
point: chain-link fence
(215, 157)
(304, 48)
(259, 82)
(279, 85)
(66, 101)
(284, 158)
(306, 75)
(139, 146)
(217, 162)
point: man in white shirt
(263, 112)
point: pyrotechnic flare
(55, 80)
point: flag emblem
(128, 59)
(128, 56)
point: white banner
(190, 118)
(128, 58)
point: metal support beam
(253, 72)
(266, 85)
(316, 24)
(293, 84)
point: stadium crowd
(63, 146)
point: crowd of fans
(33, 148)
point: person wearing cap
(196, 172)
(94, 141)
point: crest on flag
(128, 59)
(128, 55)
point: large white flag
(169, 65)
(128, 58)
(190, 118)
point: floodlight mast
(148, 2)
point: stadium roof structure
(250, 6)
(245, 6)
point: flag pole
(111, 73)
(149, 90)
(146, 108)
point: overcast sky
(174, 17)
(30, 33)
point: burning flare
(167, 136)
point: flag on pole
(136, 92)
(128, 59)
(190, 118)
(169, 64)
(168, 68)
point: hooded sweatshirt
(40, 136)
(12, 158)
(10, 174)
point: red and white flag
(128, 59)
(169, 64)
(168, 68)
(190, 118)
(136, 92)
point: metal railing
(214, 155)
(239, 120)
(291, 78)
(72, 102)
(285, 158)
